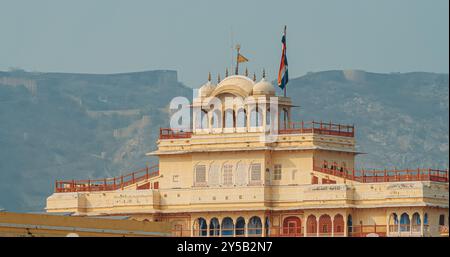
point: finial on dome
(218, 78)
(246, 72)
(264, 73)
(226, 72)
(209, 76)
(254, 76)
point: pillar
(421, 223)
(332, 226)
(317, 226)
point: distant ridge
(80, 125)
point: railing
(367, 230)
(372, 176)
(106, 184)
(317, 128)
(168, 133)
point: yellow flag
(241, 58)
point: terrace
(373, 176)
(106, 184)
(311, 127)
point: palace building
(247, 169)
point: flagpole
(285, 49)
(237, 59)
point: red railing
(372, 176)
(106, 184)
(314, 127)
(168, 133)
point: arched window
(241, 118)
(425, 222)
(311, 225)
(227, 174)
(240, 227)
(292, 226)
(416, 222)
(404, 222)
(325, 225)
(255, 116)
(216, 118)
(227, 227)
(214, 227)
(325, 164)
(393, 222)
(229, 118)
(254, 226)
(203, 119)
(338, 224)
(200, 227)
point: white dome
(206, 89)
(263, 87)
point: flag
(283, 77)
(241, 58)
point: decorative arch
(256, 115)
(227, 227)
(338, 225)
(311, 225)
(240, 227)
(200, 227)
(405, 222)
(325, 225)
(241, 118)
(393, 222)
(416, 222)
(255, 226)
(292, 226)
(214, 227)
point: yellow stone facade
(230, 175)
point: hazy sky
(194, 37)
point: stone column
(332, 226)
(317, 226)
(421, 224)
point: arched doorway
(325, 225)
(254, 226)
(311, 226)
(240, 227)
(227, 227)
(200, 227)
(338, 225)
(292, 226)
(214, 227)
